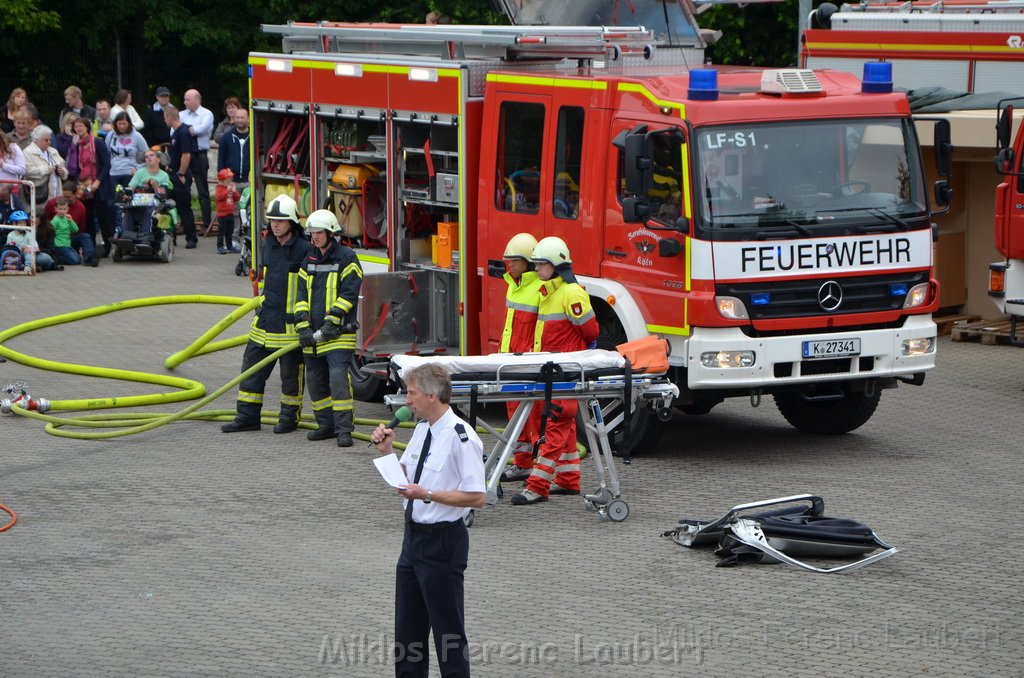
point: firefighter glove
(329, 331)
(306, 337)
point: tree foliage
(754, 35)
(25, 16)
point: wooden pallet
(945, 323)
(989, 332)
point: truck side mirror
(943, 148)
(635, 210)
(943, 195)
(638, 169)
(1005, 160)
(1003, 128)
(495, 268)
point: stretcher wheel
(600, 498)
(617, 511)
(116, 255)
(500, 491)
(470, 517)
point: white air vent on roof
(790, 81)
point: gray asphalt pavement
(187, 552)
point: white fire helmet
(322, 220)
(283, 207)
(520, 246)
(552, 250)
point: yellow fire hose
(132, 423)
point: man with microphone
(444, 459)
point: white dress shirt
(450, 465)
(201, 123)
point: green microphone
(403, 414)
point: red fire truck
(773, 225)
(1006, 278)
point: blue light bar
(877, 78)
(760, 299)
(703, 84)
(898, 290)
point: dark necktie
(419, 471)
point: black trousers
(250, 391)
(200, 165)
(182, 189)
(429, 595)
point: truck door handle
(616, 253)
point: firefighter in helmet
(565, 322)
(521, 301)
(329, 283)
(283, 251)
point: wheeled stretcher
(603, 380)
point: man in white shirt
(200, 123)
(445, 461)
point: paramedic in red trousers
(273, 328)
(565, 322)
(444, 459)
(329, 283)
(521, 301)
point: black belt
(431, 528)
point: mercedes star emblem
(830, 295)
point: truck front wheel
(813, 410)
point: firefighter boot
(324, 426)
(343, 427)
(247, 418)
(287, 420)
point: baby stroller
(159, 242)
(244, 264)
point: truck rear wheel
(367, 387)
(813, 412)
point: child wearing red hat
(226, 195)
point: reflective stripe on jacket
(274, 324)
(521, 300)
(565, 318)
(329, 285)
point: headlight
(731, 307)
(918, 295)
(728, 359)
(923, 346)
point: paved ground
(184, 551)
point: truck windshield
(798, 179)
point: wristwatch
(430, 497)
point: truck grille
(799, 298)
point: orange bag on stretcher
(646, 355)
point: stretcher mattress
(519, 366)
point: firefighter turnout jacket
(274, 324)
(328, 292)
(521, 300)
(565, 318)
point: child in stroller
(244, 264)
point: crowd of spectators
(75, 169)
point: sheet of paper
(391, 470)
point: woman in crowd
(43, 166)
(231, 104)
(123, 103)
(16, 102)
(64, 136)
(89, 164)
(12, 160)
(126, 146)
